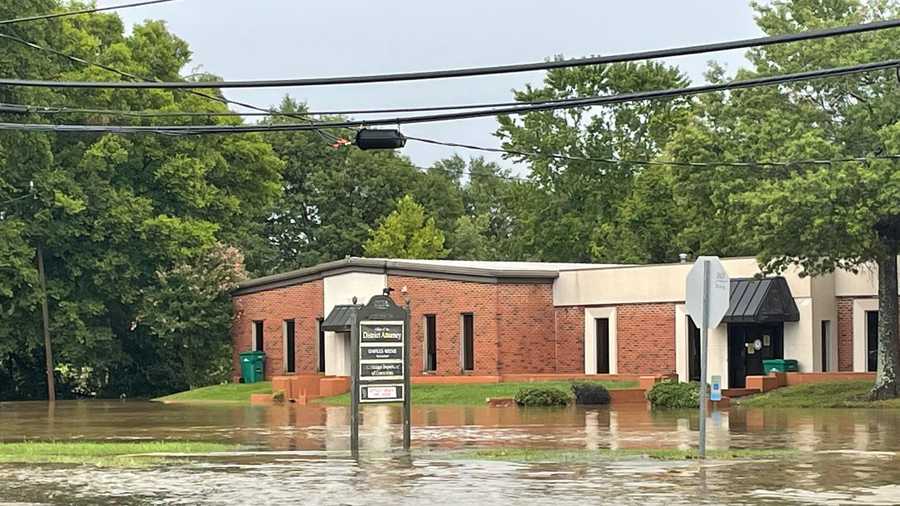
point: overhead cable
(92, 10)
(473, 71)
(524, 108)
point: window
(826, 334)
(320, 347)
(602, 326)
(430, 342)
(693, 350)
(468, 342)
(258, 338)
(289, 346)
(871, 341)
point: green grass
(229, 392)
(104, 454)
(840, 394)
(575, 456)
(475, 393)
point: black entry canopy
(339, 318)
(761, 300)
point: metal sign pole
(354, 387)
(407, 393)
(704, 334)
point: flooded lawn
(298, 454)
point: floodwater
(299, 455)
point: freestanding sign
(380, 361)
(706, 300)
(715, 388)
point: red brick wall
(527, 337)
(845, 333)
(570, 339)
(645, 336)
(447, 300)
(302, 303)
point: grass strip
(838, 394)
(229, 392)
(586, 456)
(103, 454)
(473, 394)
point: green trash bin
(253, 366)
(780, 365)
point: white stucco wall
(647, 284)
(341, 289)
(862, 284)
(590, 339)
(824, 309)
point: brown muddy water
(298, 455)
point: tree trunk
(886, 386)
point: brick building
(507, 318)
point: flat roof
(462, 270)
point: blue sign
(715, 393)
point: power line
(715, 163)
(432, 118)
(82, 11)
(82, 61)
(474, 71)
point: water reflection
(301, 455)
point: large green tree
(818, 217)
(577, 196)
(112, 212)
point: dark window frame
(259, 335)
(467, 356)
(871, 340)
(320, 346)
(825, 327)
(693, 347)
(430, 341)
(290, 346)
(602, 345)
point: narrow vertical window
(320, 347)
(602, 326)
(468, 341)
(290, 364)
(871, 341)
(826, 327)
(693, 350)
(258, 338)
(430, 342)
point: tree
(332, 197)
(579, 196)
(820, 218)
(470, 239)
(109, 211)
(406, 233)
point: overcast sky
(260, 39)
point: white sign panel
(718, 288)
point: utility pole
(45, 313)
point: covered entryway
(336, 327)
(756, 314)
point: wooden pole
(45, 314)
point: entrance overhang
(761, 300)
(340, 318)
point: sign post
(379, 340)
(706, 300)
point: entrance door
(748, 346)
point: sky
(270, 39)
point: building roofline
(396, 267)
(639, 266)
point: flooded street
(298, 454)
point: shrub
(542, 396)
(278, 396)
(590, 393)
(674, 395)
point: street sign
(707, 292)
(715, 389)
(380, 361)
(718, 286)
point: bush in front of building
(542, 396)
(674, 395)
(590, 393)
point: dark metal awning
(765, 300)
(339, 318)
